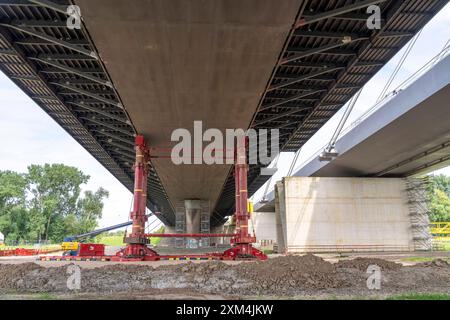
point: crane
(71, 244)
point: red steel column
(136, 248)
(140, 188)
(242, 240)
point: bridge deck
(408, 135)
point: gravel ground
(307, 276)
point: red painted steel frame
(137, 249)
(242, 241)
(190, 235)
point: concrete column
(193, 213)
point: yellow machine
(440, 229)
(250, 207)
(69, 246)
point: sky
(29, 136)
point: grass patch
(420, 296)
(422, 259)
(45, 296)
(117, 240)
(418, 259)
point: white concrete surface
(343, 214)
(264, 225)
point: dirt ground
(306, 276)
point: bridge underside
(407, 136)
(175, 62)
(416, 143)
(155, 66)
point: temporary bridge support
(242, 241)
(137, 242)
(137, 248)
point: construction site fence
(8, 251)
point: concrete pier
(344, 214)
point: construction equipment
(137, 242)
(72, 245)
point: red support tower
(137, 242)
(242, 241)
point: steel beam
(299, 87)
(336, 12)
(40, 23)
(51, 39)
(71, 57)
(41, 97)
(288, 99)
(110, 126)
(61, 71)
(114, 136)
(41, 42)
(301, 78)
(280, 115)
(7, 52)
(104, 113)
(348, 16)
(307, 64)
(51, 5)
(327, 34)
(26, 78)
(308, 52)
(117, 145)
(89, 94)
(340, 35)
(394, 10)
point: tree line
(439, 198)
(46, 203)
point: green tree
(440, 182)
(439, 207)
(55, 190)
(46, 203)
(439, 198)
(13, 214)
(89, 209)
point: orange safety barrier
(26, 252)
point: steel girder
(61, 71)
